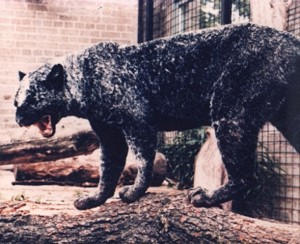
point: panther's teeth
(45, 126)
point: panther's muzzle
(46, 125)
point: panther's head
(40, 98)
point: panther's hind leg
(113, 157)
(243, 98)
(237, 144)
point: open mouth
(46, 126)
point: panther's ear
(56, 76)
(21, 75)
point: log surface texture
(155, 218)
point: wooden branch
(44, 150)
(156, 218)
(82, 173)
(62, 173)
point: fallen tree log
(155, 218)
(44, 150)
(62, 173)
(37, 151)
(82, 173)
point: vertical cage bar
(149, 20)
(226, 9)
(140, 21)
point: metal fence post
(226, 8)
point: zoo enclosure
(161, 18)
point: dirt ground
(45, 199)
(49, 199)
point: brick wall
(34, 31)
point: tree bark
(44, 150)
(155, 218)
(62, 173)
(82, 173)
(273, 13)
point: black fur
(234, 78)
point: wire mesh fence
(170, 17)
(294, 18)
(287, 197)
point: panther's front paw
(88, 202)
(130, 194)
(199, 198)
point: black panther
(235, 78)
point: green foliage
(210, 12)
(241, 7)
(259, 200)
(181, 156)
